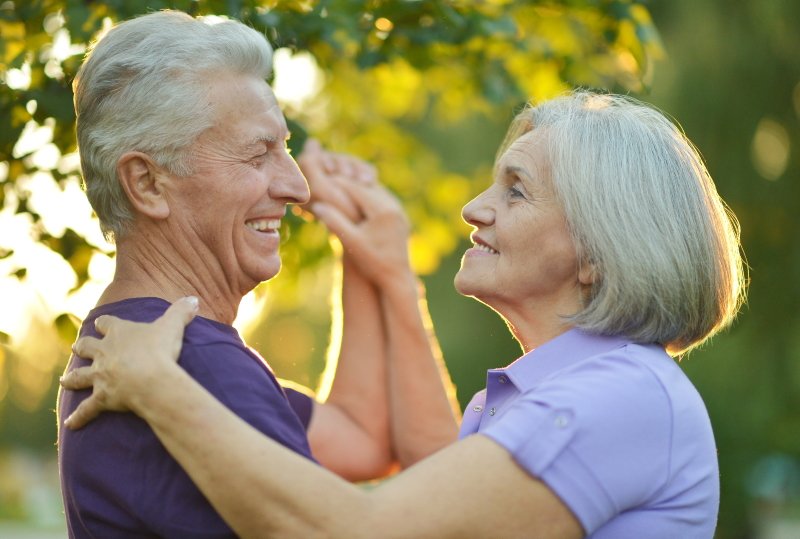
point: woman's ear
(142, 181)
(587, 273)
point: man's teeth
(485, 248)
(264, 224)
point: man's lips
(264, 225)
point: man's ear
(142, 181)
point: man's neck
(150, 265)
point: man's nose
(290, 185)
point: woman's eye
(513, 192)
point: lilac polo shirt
(614, 428)
(117, 480)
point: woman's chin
(467, 287)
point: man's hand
(128, 362)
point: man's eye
(258, 160)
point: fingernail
(68, 421)
(193, 301)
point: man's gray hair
(143, 87)
(644, 212)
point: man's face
(230, 208)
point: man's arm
(423, 408)
(349, 429)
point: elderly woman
(183, 152)
(605, 246)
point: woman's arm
(470, 489)
(349, 429)
(423, 408)
(374, 232)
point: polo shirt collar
(566, 349)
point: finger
(311, 146)
(180, 313)
(345, 165)
(372, 198)
(86, 347)
(84, 413)
(336, 221)
(312, 159)
(334, 194)
(329, 164)
(366, 173)
(104, 323)
(77, 379)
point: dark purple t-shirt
(117, 480)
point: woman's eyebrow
(515, 170)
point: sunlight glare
(33, 137)
(297, 77)
(251, 310)
(47, 157)
(45, 199)
(19, 79)
(83, 300)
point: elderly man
(183, 152)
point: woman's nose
(478, 211)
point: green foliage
(473, 57)
(424, 89)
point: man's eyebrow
(264, 140)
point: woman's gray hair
(143, 87)
(644, 212)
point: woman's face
(523, 261)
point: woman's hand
(368, 220)
(378, 242)
(327, 172)
(128, 362)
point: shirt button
(502, 379)
(492, 411)
(477, 408)
(561, 421)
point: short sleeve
(302, 404)
(598, 435)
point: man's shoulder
(141, 309)
(200, 331)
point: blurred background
(425, 91)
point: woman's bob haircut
(643, 211)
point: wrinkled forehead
(529, 152)
(246, 110)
